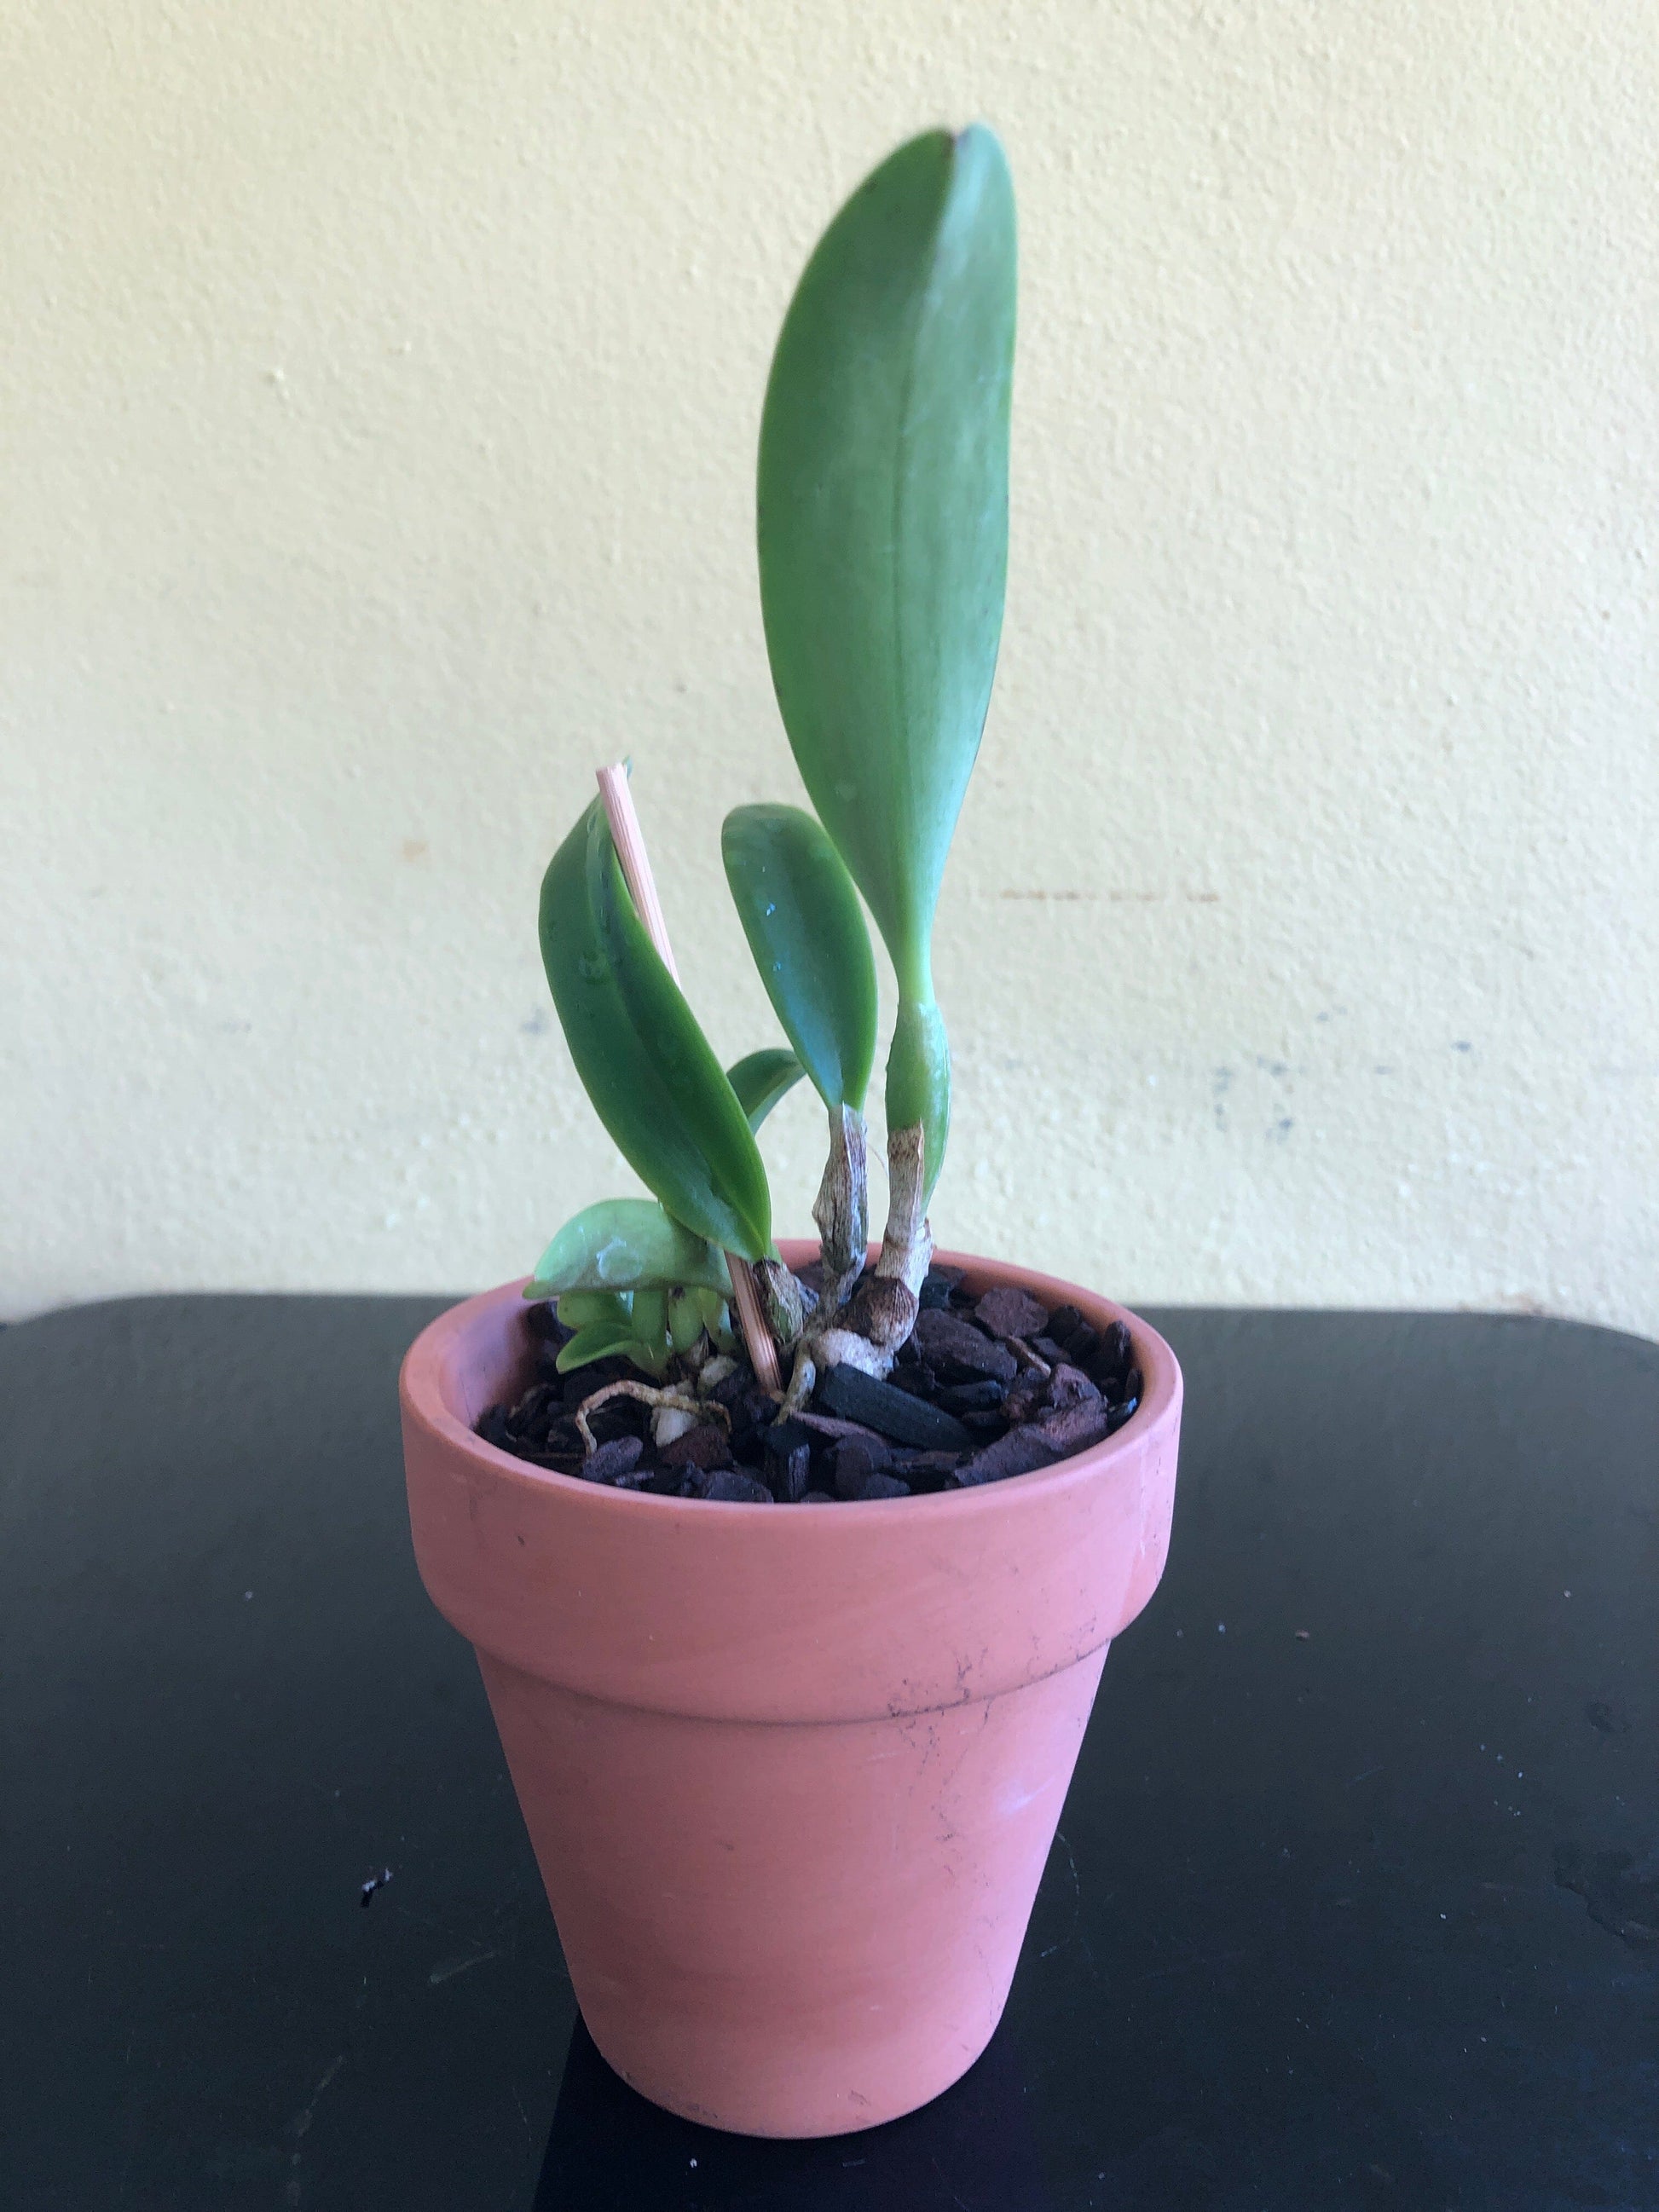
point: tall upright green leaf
(882, 526)
(643, 1061)
(805, 929)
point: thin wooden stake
(762, 1353)
(629, 840)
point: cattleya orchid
(883, 530)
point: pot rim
(428, 1369)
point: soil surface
(991, 1384)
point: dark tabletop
(1355, 1901)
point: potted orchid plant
(792, 1776)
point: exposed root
(801, 1382)
(847, 1347)
(648, 1393)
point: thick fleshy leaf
(622, 1243)
(760, 1078)
(643, 1058)
(805, 929)
(685, 1322)
(598, 1340)
(583, 1309)
(717, 1319)
(883, 514)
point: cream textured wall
(379, 387)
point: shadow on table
(970, 2150)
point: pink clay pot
(790, 1773)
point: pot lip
(421, 1389)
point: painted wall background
(379, 386)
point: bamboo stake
(629, 840)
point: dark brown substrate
(989, 1386)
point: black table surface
(1355, 1901)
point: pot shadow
(970, 2150)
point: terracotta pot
(790, 1773)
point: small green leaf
(760, 1079)
(651, 1316)
(619, 1244)
(598, 1340)
(805, 929)
(582, 1308)
(685, 1322)
(717, 1319)
(643, 1058)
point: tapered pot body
(790, 1773)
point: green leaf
(883, 515)
(583, 1309)
(685, 1322)
(643, 1059)
(717, 1319)
(760, 1078)
(622, 1243)
(598, 1340)
(918, 1082)
(805, 929)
